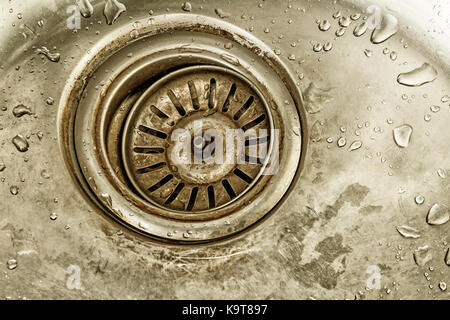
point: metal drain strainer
(200, 108)
(147, 135)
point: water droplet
(435, 109)
(408, 232)
(21, 110)
(40, 23)
(230, 59)
(113, 9)
(53, 216)
(442, 173)
(419, 199)
(291, 57)
(447, 257)
(402, 135)
(337, 15)
(50, 101)
(355, 16)
(427, 117)
(44, 174)
(341, 142)
(438, 214)
(368, 53)
(317, 47)
(355, 145)
(14, 190)
(222, 14)
(86, 8)
(327, 46)
(340, 32)
(106, 198)
(393, 56)
(422, 255)
(186, 7)
(344, 21)
(2, 166)
(11, 264)
(53, 57)
(388, 28)
(442, 286)
(386, 51)
(20, 143)
(419, 76)
(360, 29)
(445, 99)
(324, 25)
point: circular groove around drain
(207, 103)
(120, 141)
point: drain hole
(176, 103)
(192, 199)
(159, 113)
(194, 95)
(175, 193)
(244, 108)
(252, 142)
(243, 175)
(211, 197)
(230, 96)
(153, 167)
(254, 122)
(212, 93)
(161, 183)
(148, 150)
(229, 189)
(153, 132)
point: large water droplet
(422, 255)
(419, 76)
(402, 135)
(113, 9)
(389, 27)
(86, 8)
(408, 232)
(53, 57)
(21, 110)
(344, 21)
(21, 143)
(438, 214)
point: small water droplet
(186, 7)
(360, 29)
(327, 46)
(344, 21)
(317, 47)
(419, 199)
(20, 143)
(355, 145)
(340, 31)
(368, 53)
(324, 25)
(53, 216)
(442, 173)
(222, 14)
(11, 264)
(393, 56)
(50, 101)
(442, 286)
(14, 190)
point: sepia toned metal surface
(357, 210)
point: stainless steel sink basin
(358, 91)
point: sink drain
(184, 139)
